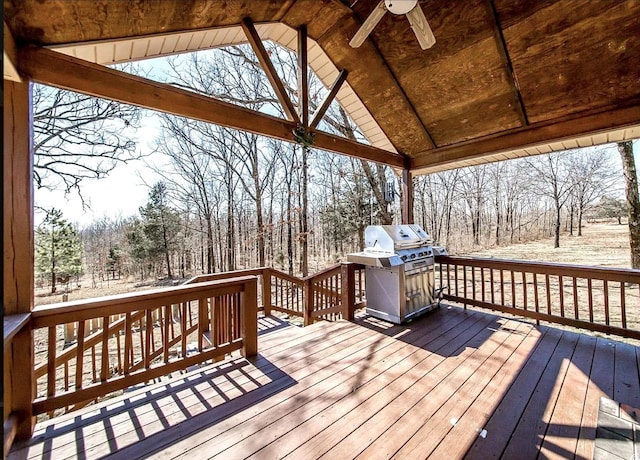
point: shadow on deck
(448, 385)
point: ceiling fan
(414, 14)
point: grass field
(602, 244)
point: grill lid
(391, 238)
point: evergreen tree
(58, 249)
(160, 225)
(114, 261)
(138, 245)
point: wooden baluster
(236, 317)
(561, 293)
(623, 305)
(153, 330)
(535, 296)
(279, 293)
(80, 354)
(473, 282)
(464, 282)
(183, 327)
(172, 321)
(502, 288)
(492, 290)
(127, 343)
(104, 371)
(513, 289)
(166, 312)
(148, 339)
(575, 298)
(524, 290)
(590, 298)
(202, 322)
(547, 282)
(190, 314)
(215, 321)
(447, 278)
(455, 278)
(227, 315)
(606, 301)
(142, 335)
(482, 283)
(66, 374)
(94, 365)
(120, 367)
(51, 364)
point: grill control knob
(413, 256)
(404, 257)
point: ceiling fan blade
(368, 25)
(421, 28)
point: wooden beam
(303, 76)
(407, 197)
(501, 46)
(263, 57)
(10, 56)
(521, 138)
(18, 291)
(67, 72)
(328, 99)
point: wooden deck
(451, 384)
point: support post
(250, 319)
(266, 291)
(407, 197)
(348, 291)
(308, 302)
(18, 263)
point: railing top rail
(286, 276)
(14, 324)
(224, 275)
(552, 268)
(327, 272)
(161, 295)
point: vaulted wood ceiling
(505, 77)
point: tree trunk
(580, 213)
(633, 200)
(556, 241)
(571, 212)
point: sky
(120, 194)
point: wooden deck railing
(594, 298)
(138, 337)
(76, 335)
(330, 294)
(320, 295)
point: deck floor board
(452, 384)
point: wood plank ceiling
(506, 78)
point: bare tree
(78, 137)
(551, 174)
(592, 176)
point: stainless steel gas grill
(399, 271)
